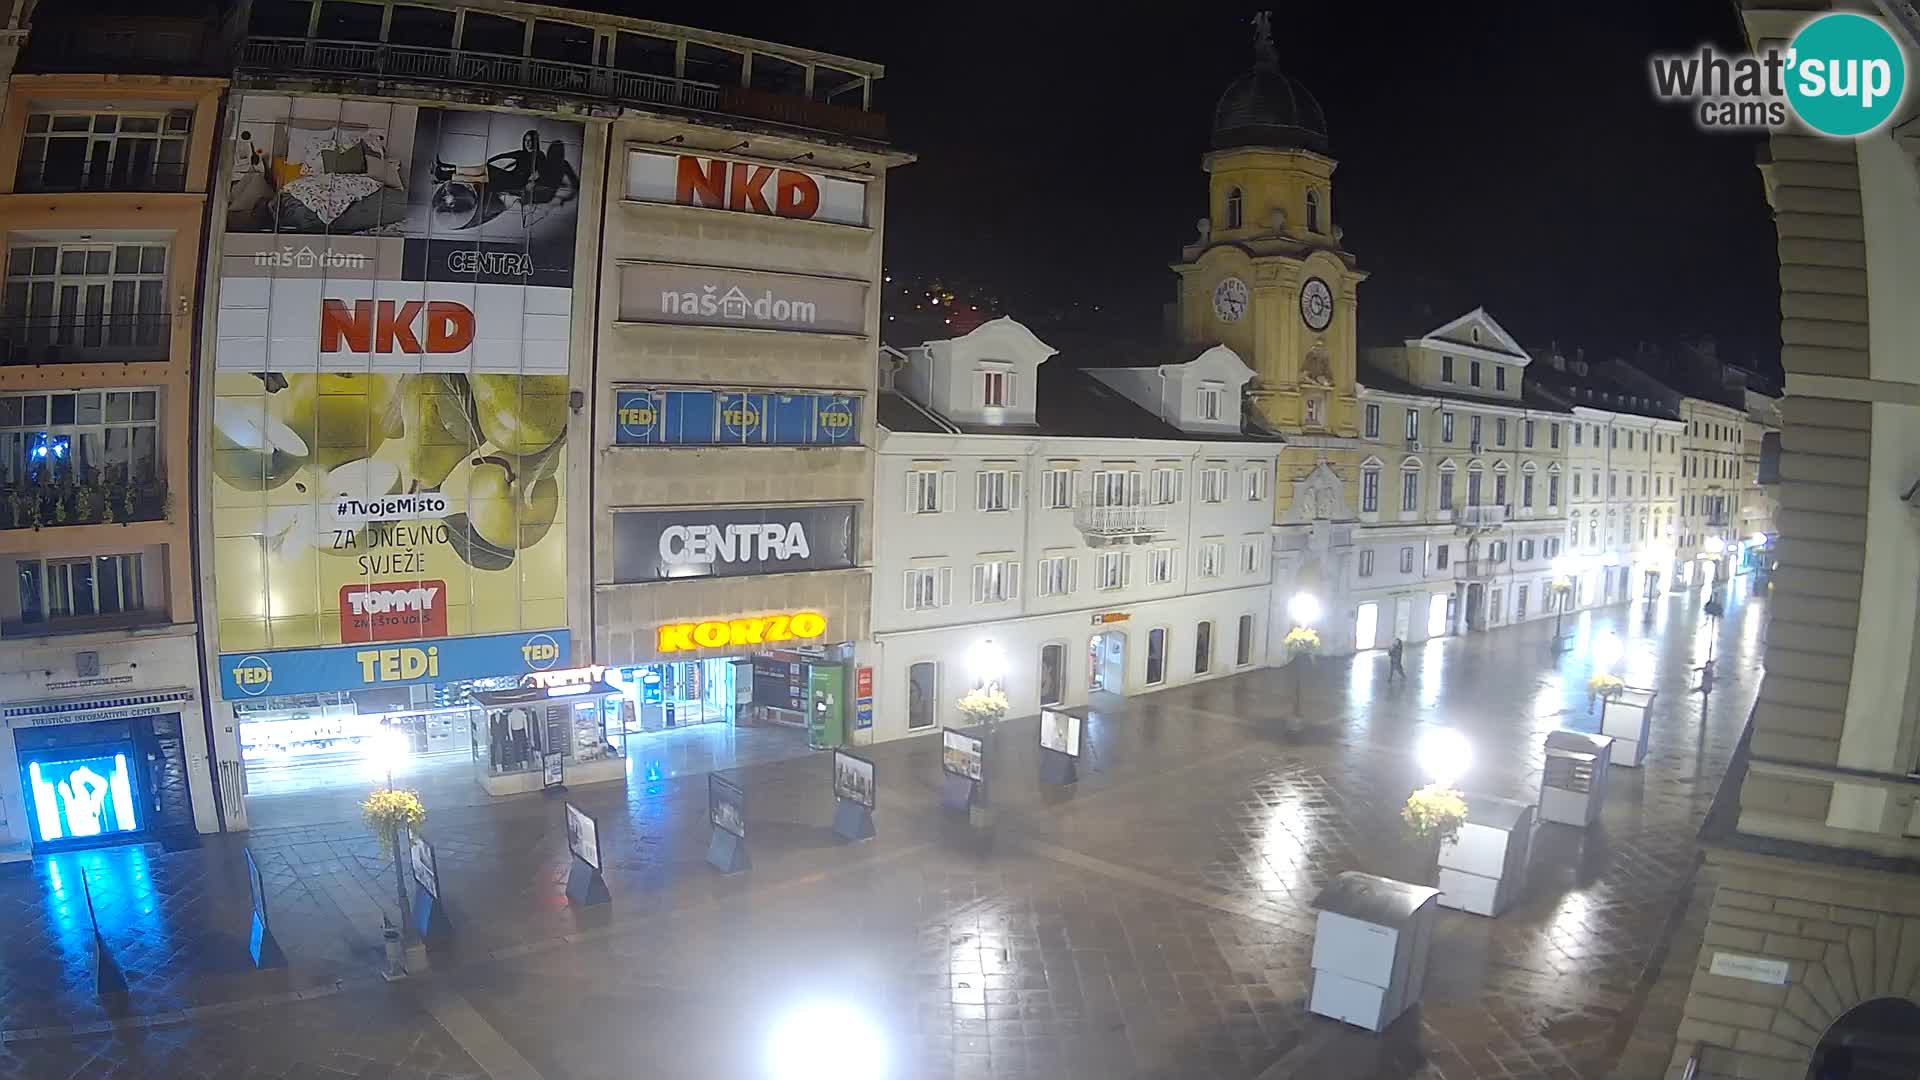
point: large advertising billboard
(391, 401)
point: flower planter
(1484, 868)
(1573, 786)
(1370, 948)
(1625, 717)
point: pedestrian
(1394, 653)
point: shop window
(1203, 648)
(1053, 673)
(1243, 645)
(1156, 656)
(923, 681)
(421, 27)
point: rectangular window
(56, 590)
(1202, 648)
(1613, 438)
(1413, 425)
(1473, 487)
(1526, 550)
(1473, 433)
(96, 302)
(1243, 643)
(1613, 484)
(1166, 486)
(923, 700)
(1113, 570)
(1553, 491)
(995, 581)
(1116, 487)
(929, 491)
(1473, 373)
(1446, 491)
(1250, 556)
(1499, 376)
(1056, 488)
(1520, 603)
(1441, 554)
(1446, 427)
(1161, 563)
(1578, 430)
(1446, 369)
(1409, 491)
(1370, 491)
(928, 588)
(83, 435)
(1209, 403)
(1553, 436)
(996, 489)
(1497, 551)
(1526, 491)
(1406, 560)
(1256, 483)
(111, 151)
(1213, 557)
(1526, 434)
(996, 389)
(1576, 485)
(1156, 656)
(1500, 431)
(1373, 422)
(1213, 484)
(1058, 574)
(1366, 562)
(1499, 489)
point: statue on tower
(1263, 54)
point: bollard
(396, 963)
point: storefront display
(517, 733)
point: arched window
(1236, 208)
(1313, 211)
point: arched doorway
(1876, 1040)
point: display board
(426, 866)
(583, 836)
(1060, 731)
(853, 779)
(962, 755)
(727, 805)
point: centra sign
(761, 630)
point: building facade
(1712, 461)
(515, 367)
(1062, 535)
(1815, 834)
(105, 158)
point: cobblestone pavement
(1150, 921)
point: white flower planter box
(1484, 869)
(1573, 786)
(1370, 948)
(1624, 717)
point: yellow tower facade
(1267, 277)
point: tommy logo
(393, 611)
(388, 326)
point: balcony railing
(1121, 523)
(1479, 517)
(104, 176)
(85, 339)
(414, 62)
(1475, 569)
(94, 502)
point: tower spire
(1263, 54)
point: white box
(1573, 785)
(1350, 1001)
(1485, 866)
(1354, 948)
(1625, 718)
(1370, 948)
(1471, 893)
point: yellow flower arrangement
(389, 810)
(1604, 685)
(1435, 812)
(1303, 637)
(984, 706)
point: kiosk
(1485, 867)
(1370, 948)
(1574, 783)
(520, 735)
(1624, 718)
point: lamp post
(1715, 549)
(1304, 610)
(1563, 591)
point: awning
(89, 710)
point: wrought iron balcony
(85, 339)
(416, 63)
(1479, 517)
(1121, 524)
(121, 175)
(1475, 569)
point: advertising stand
(429, 914)
(963, 760)
(108, 979)
(1370, 948)
(727, 809)
(585, 886)
(1574, 783)
(262, 946)
(854, 791)
(1059, 746)
(1485, 866)
(1624, 718)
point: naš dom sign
(759, 630)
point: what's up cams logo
(1842, 75)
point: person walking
(1394, 653)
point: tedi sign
(657, 545)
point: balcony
(1475, 569)
(1717, 519)
(130, 176)
(99, 502)
(85, 339)
(1102, 525)
(415, 63)
(1479, 517)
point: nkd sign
(715, 296)
(659, 545)
(744, 186)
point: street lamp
(1304, 609)
(1563, 591)
(987, 662)
(1444, 755)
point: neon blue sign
(82, 797)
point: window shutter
(1014, 479)
(908, 597)
(913, 492)
(1013, 580)
(944, 595)
(946, 491)
(1073, 575)
(1126, 564)
(980, 490)
(1013, 390)
(979, 582)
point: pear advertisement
(391, 400)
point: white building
(1066, 530)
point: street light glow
(826, 1040)
(1715, 545)
(1305, 608)
(1607, 651)
(1443, 754)
(1758, 539)
(986, 661)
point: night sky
(1510, 156)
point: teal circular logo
(1845, 74)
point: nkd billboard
(389, 431)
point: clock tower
(1267, 276)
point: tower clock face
(1230, 299)
(1316, 304)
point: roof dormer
(1202, 395)
(986, 376)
